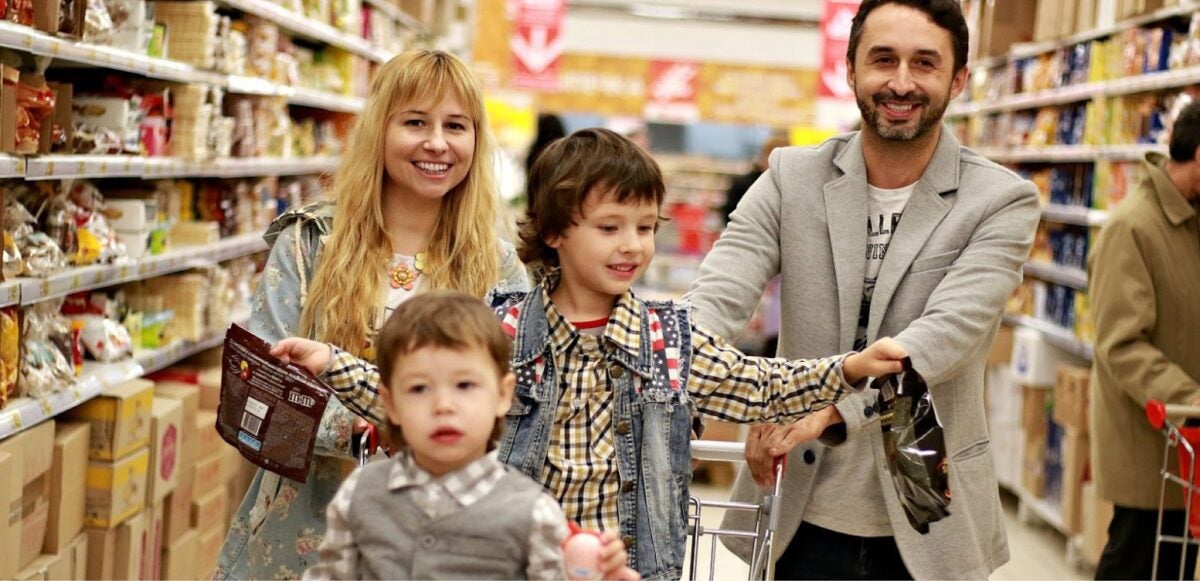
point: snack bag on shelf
(10, 353)
(45, 366)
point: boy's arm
(356, 384)
(339, 551)
(729, 385)
(546, 536)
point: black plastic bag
(914, 446)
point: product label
(270, 410)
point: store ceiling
(783, 12)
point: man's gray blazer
(954, 259)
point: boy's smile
(609, 246)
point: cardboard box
(1085, 16)
(1001, 351)
(79, 555)
(1033, 426)
(116, 554)
(179, 558)
(54, 566)
(210, 388)
(189, 397)
(67, 485)
(35, 515)
(231, 463)
(208, 511)
(120, 418)
(208, 475)
(166, 428)
(116, 490)
(177, 509)
(209, 552)
(1046, 24)
(1097, 515)
(1035, 360)
(1074, 467)
(34, 450)
(208, 441)
(1005, 23)
(151, 564)
(1071, 397)
(34, 572)
(10, 512)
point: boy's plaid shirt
(581, 465)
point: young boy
(444, 507)
(607, 383)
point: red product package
(270, 410)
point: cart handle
(719, 451)
(1157, 412)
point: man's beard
(931, 114)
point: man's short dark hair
(571, 167)
(946, 14)
(1185, 134)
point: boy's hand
(881, 358)
(613, 558)
(311, 355)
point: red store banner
(836, 18)
(671, 91)
(537, 42)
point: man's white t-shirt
(842, 488)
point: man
(1144, 275)
(946, 232)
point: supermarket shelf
(39, 43)
(1026, 50)
(11, 166)
(1068, 153)
(1061, 337)
(10, 292)
(1075, 278)
(1081, 92)
(26, 412)
(57, 166)
(1074, 215)
(295, 95)
(84, 278)
(301, 25)
(395, 13)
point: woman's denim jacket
(652, 425)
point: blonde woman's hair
(463, 253)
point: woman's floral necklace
(403, 276)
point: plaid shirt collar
(627, 327)
(466, 485)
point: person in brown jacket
(1144, 280)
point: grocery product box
(207, 476)
(117, 553)
(166, 429)
(179, 557)
(10, 512)
(116, 490)
(208, 440)
(177, 508)
(152, 562)
(231, 463)
(33, 449)
(1074, 468)
(68, 481)
(120, 418)
(209, 552)
(209, 510)
(35, 515)
(189, 397)
(1034, 360)
(1071, 397)
(70, 563)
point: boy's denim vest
(652, 421)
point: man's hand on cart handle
(766, 442)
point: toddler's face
(609, 246)
(445, 402)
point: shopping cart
(762, 566)
(1186, 440)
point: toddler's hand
(311, 355)
(613, 558)
(883, 357)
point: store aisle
(1036, 553)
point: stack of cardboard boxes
(996, 25)
(41, 513)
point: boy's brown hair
(571, 167)
(447, 319)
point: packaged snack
(269, 410)
(44, 365)
(914, 446)
(581, 554)
(10, 345)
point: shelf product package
(269, 410)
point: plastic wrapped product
(914, 446)
(44, 366)
(105, 339)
